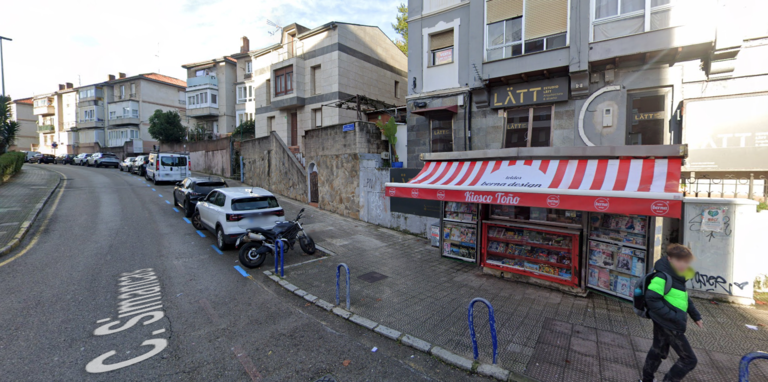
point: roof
(303, 32)
(26, 101)
(210, 62)
(154, 77)
(245, 191)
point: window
(516, 27)
(87, 93)
(617, 18)
(122, 91)
(441, 48)
(314, 88)
(521, 132)
(250, 92)
(254, 203)
(249, 67)
(397, 89)
(200, 73)
(441, 134)
(173, 161)
(112, 115)
(88, 115)
(214, 99)
(317, 117)
(242, 94)
(240, 117)
(270, 123)
(269, 92)
(284, 81)
(648, 120)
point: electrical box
(609, 75)
(385, 155)
(460, 100)
(594, 77)
(607, 117)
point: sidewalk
(542, 334)
(20, 202)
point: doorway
(294, 129)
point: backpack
(641, 287)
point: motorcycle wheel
(307, 244)
(250, 256)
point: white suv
(228, 212)
(168, 167)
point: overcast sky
(83, 41)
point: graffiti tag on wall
(715, 283)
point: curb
(27, 224)
(444, 355)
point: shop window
(519, 132)
(549, 215)
(617, 18)
(441, 48)
(441, 129)
(648, 122)
(516, 27)
(284, 81)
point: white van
(168, 167)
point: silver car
(127, 164)
(103, 160)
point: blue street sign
(349, 127)
(54, 145)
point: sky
(83, 41)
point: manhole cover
(327, 378)
(372, 277)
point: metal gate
(313, 192)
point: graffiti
(695, 225)
(715, 283)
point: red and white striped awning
(624, 186)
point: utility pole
(2, 69)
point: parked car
(190, 190)
(104, 160)
(140, 165)
(126, 164)
(167, 167)
(82, 159)
(66, 159)
(46, 158)
(35, 158)
(228, 212)
(30, 156)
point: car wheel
(187, 209)
(220, 239)
(196, 222)
(154, 180)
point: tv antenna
(274, 25)
(158, 58)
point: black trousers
(663, 339)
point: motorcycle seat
(282, 227)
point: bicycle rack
(744, 364)
(491, 321)
(279, 244)
(338, 276)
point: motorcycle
(258, 242)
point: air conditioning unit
(385, 155)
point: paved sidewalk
(20, 196)
(542, 334)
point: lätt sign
(530, 93)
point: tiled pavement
(542, 333)
(20, 195)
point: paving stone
(416, 343)
(290, 287)
(275, 278)
(493, 371)
(282, 282)
(451, 358)
(544, 371)
(341, 312)
(268, 273)
(362, 321)
(324, 304)
(583, 346)
(300, 293)
(310, 297)
(387, 332)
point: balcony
(125, 120)
(46, 129)
(90, 123)
(124, 97)
(205, 111)
(46, 109)
(196, 83)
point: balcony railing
(83, 120)
(46, 128)
(290, 50)
(202, 81)
(182, 102)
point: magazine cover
(455, 233)
(463, 235)
(638, 266)
(564, 273)
(502, 248)
(595, 256)
(447, 233)
(604, 279)
(624, 262)
(593, 275)
(622, 285)
(607, 259)
(446, 248)
(613, 277)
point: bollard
(491, 321)
(279, 244)
(744, 364)
(338, 276)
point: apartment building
(511, 73)
(210, 95)
(56, 120)
(91, 117)
(288, 87)
(22, 112)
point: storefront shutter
(498, 10)
(441, 40)
(545, 17)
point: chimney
(62, 87)
(69, 85)
(245, 45)
(111, 77)
(121, 75)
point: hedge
(10, 164)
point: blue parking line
(174, 208)
(160, 195)
(241, 270)
(154, 189)
(167, 202)
(149, 186)
(216, 249)
(200, 233)
(187, 220)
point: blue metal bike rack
(338, 276)
(279, 245)
(491, 321)
(744, 364)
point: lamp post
(2, 70)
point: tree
(246, 130)
(389, 130)
(401, 27)
(8, 127)
(166, 126)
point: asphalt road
(205, 321)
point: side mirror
(178, 184)
(302, 210)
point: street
(67, 307)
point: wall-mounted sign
(443, 57)
(348, 127)
(530, 93)
(712, 219)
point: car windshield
(254, 203)
(206, 187)
(109, 156)
(173, 161)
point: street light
(2, 70)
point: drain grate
(372, 277)
(327, 378)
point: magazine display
(465, 212)
(617, 255)
(460, 231)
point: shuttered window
(441, 40)
(498, 10)
(545, 18)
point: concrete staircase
(296, 150)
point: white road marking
(158, 332)
(102, 320)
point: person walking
(669, 312)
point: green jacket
(671, 310)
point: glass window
(513, 30)
(534, 45)
(254, 203)
(628, 6)
(542, 126)
(648, 119)
(214, 99)
(442, 56)
(537, 214)
(442, 135)
(284, 81)
(606, 8)
(556, 41)
(173, 161)
(516, 134)
(520, 133)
